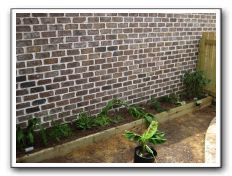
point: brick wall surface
(78, 61)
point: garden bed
(93, 135)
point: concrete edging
(63, 149)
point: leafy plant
(154, 103)
(136, 111)
(84, 121)
(116, 119)
(43, 134)
(114, 103)
(101, 121)
(150, 136)
(60, 130)
(25, 137)
(194, 83)
(20, 137)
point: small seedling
(116, 119)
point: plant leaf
(151, 130)
(149, 150)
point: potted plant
(144, 152)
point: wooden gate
(207, 60)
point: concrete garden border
(63, 149)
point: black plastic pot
(144, 159)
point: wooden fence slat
(207, 59)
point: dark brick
(58, 66)
(42, 69)
(112, 48)
(73, 64)
(81, 93)
(79, 19)
(79, 32)
(22, 14)
(40, 41)
(72, 39)
(21, 92)
(46, 94)
(55, 98)
(26, 71)
(48, 106)
(68, 96)
(39, 14)
(73, 52)
(76, 76)
(49, 47)
(21, 78)
(33, 49)
(42, 55)
(59, 79)
(19, 36)
(30, 21)
(39, 27)
(100, 49)
(71, 26)
(24, 57)
(23, 28)
(56, 14)
(23, 43)
(67, 83)
(35, 76)
(106, 87)
(32, 110)
(37, 89)
(38, 102)
(81, 81)
(62, 103)
(51, 61)
(48, 34)
(64, 33)
(52, 86)
(22, 105)
(65, 46)
(27, 84)
(31, 35)
(51, 74)
(47, 20)
(44, 81)
(56, 40)
(58, 53)
(66, 59)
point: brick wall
(72, 62)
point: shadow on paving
(185, 143)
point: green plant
(116, 119)
(25, 137)
(150, 136)
(43, 134)
(101, 121)
(84, 121)
(20, 137)
(114, 103)
(60, 130)
(154, 103)
(136, 111)
(194, 83)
